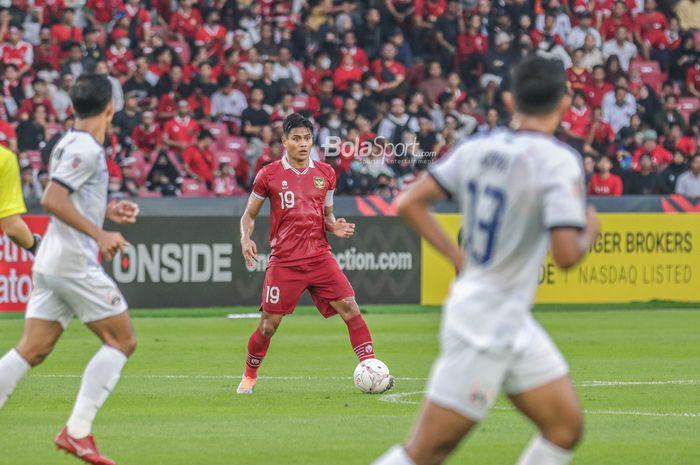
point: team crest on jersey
(76, 163)
(319, 182)
(284, 184)
(113, 298)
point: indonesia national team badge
(319, 182)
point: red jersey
(312, 78)
(121, 61)
(200, 162)
(51, 10)
(387, 72)
(611, 186)
(468, 44)
(659, 155)
(29, 105)
(182, 130)
(595, 94)
(187, 25)
(47, 54)
(577, 121)
(60, 33)
(20, 54)
(610, 25)
(211, 38)
(146, 139)
(7, 132)
(647, 22)
(603, 133)
(358, 55)
(662, 39)
(103, 10)
(578, 78)
(342, 75)
(430, 11)
(297, 204)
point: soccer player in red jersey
(301, 212)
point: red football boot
(85, 448)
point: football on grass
(372, 376)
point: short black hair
(205, 134)
(295, 120)
(91, 94)
(538, 85)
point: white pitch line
(400, 398)
(582, 384)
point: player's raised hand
(250, 251)
(110, 243)
(123, 212)
(342, 228)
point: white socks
(395, 456)
(99, 379)
(542, 452)
(12, 369)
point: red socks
(257, 348)
(360, 338)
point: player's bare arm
(19, 233)
(570, 245)
(414, 206)
(56, 200)
(248, 247)
(339, 227)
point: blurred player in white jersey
(68, 278)
(520, 190)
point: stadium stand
(390, 85)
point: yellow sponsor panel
(638, 257)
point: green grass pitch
(637, 367)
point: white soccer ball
(372, 376)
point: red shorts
(323, 278)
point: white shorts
(92, 298)
(467, 380)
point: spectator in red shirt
(186, 21)
(579, 77)
(603, 182)
(17, 52)
(347, 71)
(40, 98)
(225, 183)
(350, 47)
(659, 155)
(212, 36)
(649, 20)
(600, 134)
(181, 131)
(692, 79)
(8, 136)
(198, 162)
(49, 10)
(147, 136)
(319, 69)
(620, 17)
(46, 52)
(472, 45)
(65, 32)
(598, 87)
(389, 73)
(577, 120)
(120, 58)
(139, 17)
(101, 12)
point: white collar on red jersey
(288, 166)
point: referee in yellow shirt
(12, 204)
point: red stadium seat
(227, 156)
(35, 159)
(149, 194)
(192, 188)
(236, 144)
(219, 131)
(52, 129)
(687, 106)
(650, 72)
(300, 102)
(182, 49)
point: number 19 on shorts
(272, 294)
